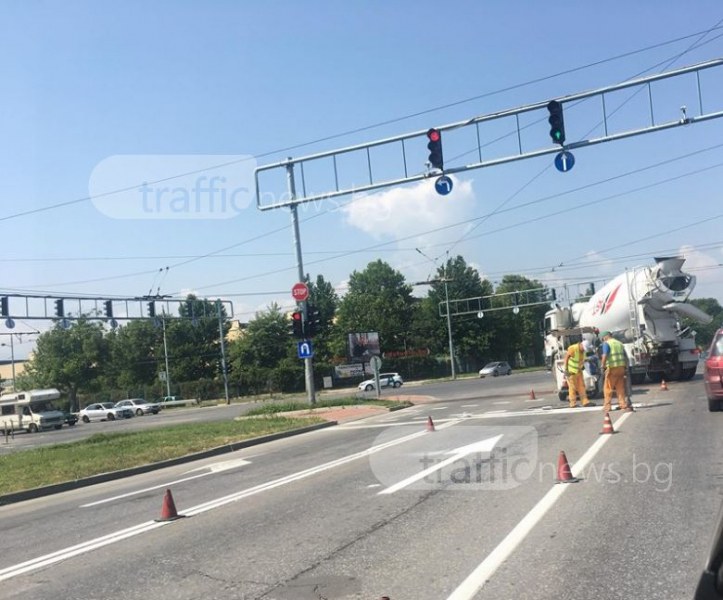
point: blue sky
(84, 82)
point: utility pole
(308, 365)
(449, 316)
(165, 352)
(224, 370)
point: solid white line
(481, 575)
(470, 405)
(83, 547)
(502, 402)
(149, 489)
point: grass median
(290, 406)
(106, 452)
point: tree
(471, 335)
(518, 335)
(323, 297)
(704, 333)
(71, 360)
(132, 362)
(379, 300)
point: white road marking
(469, 588)
(503, 402)
(213, 468)
(470, 405)
(481, 446)
(438, 408)
(82, 548)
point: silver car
(139, 406)
(385, 380)
(495, 368)
(103, 411)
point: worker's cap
(605, 333)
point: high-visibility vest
(576, 359)
(616, 358)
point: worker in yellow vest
(615, 361)
(574, 365)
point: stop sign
(300, 292)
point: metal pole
(449, 329)
(12, 358)
(308, 365)
(165, 352)
(223, 351)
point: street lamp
(446, 302)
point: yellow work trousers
(577, 388)
(615, 381)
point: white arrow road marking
(458, 453)
(213, 468)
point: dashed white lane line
(469, 588)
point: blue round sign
(443, 185)
(564, 161)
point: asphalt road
(462, 388)
(385, 507)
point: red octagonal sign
(300, 292)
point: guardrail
(189, 402)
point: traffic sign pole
(308, 365)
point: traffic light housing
(312, 321)
(4, 306)
(108, 308)
(152, 309)
(557, 122)
(436, 159)
(59, 308)
(297, 324)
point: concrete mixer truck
(642, 308)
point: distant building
(6, 372)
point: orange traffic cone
(607, 425)
(663, 386)
(430, 424)
(168, 511)
(564, 474)
(532, 394)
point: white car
(139, 406)
(385, 380)
(103, 411)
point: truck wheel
(638, 378)
(688, 374)
(32, 428)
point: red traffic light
(434, 135)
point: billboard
(362, 346)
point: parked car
(495, 368)
(385, 380)
(140, 406)
(103, 411)
(713, 373)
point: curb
(103, 477)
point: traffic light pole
(308, 365)
(165, 353)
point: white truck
(642, 308)
(30, 411)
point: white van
(31, 411)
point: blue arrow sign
(305, 350)
(443, 185)
(564, 161)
